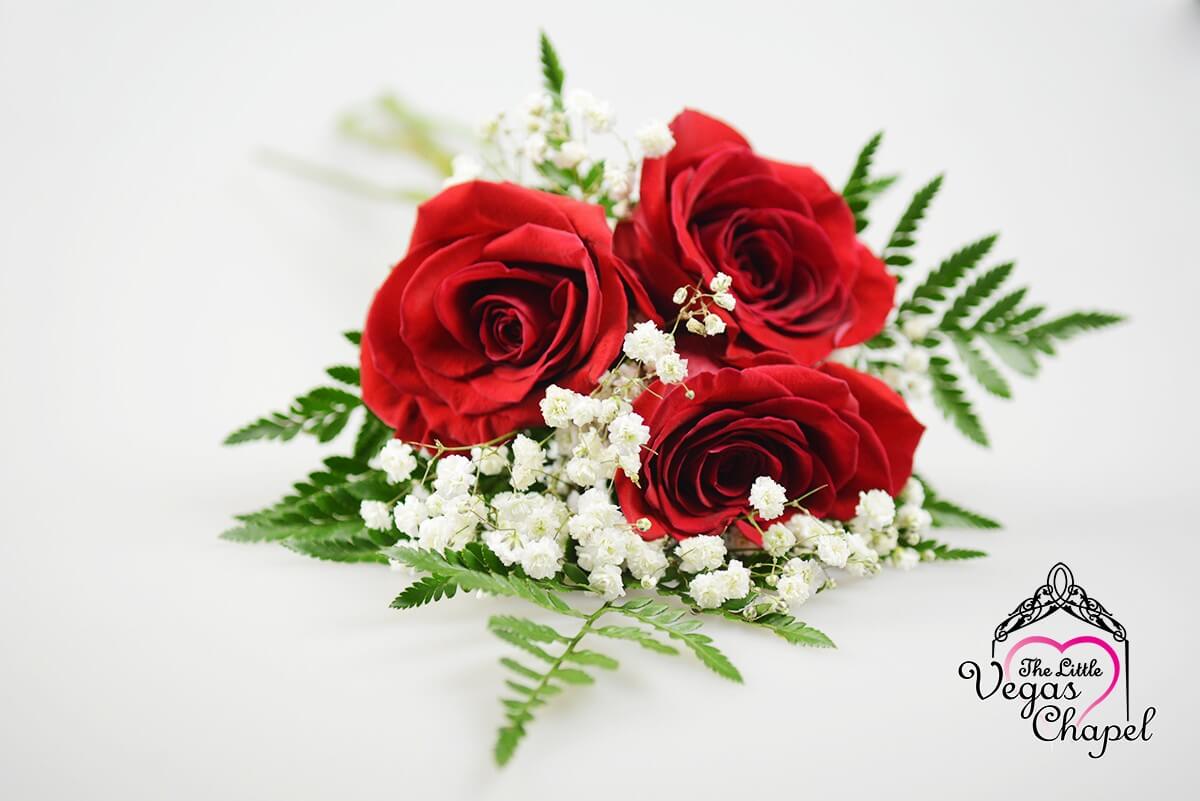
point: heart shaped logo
(1062, 648)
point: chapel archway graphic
(1061, 593)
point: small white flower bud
(713, 325)
(720, 282)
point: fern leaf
(793, 630)
(950, 515)
(552, 70)
(1071, 325)
(860, 188)
(425, 591)
(678, 625)
(1013, 352)
(979, 367)
(904, 235)
(634, 634)
(344, 373)
(979, 290)
(950, 398)
(945, 277)
(1000, 310)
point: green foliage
(344, 373)
(680, 626)
(950, 515)
(552, 70)
(425, 591)
(355, 543)
(536, 685)
(944, 552)
(1068, 326)
(977, 292)
(477, 568)
(331, 495)
(640, 636)
(861, 188)
(948, 395)
(896, 253)
(980, 368)
(791, 629)
(1012, 332)
(1001, 310)
(322, 412)
(372, 435)
(946, 275)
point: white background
(158, 287)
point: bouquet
(635, 383)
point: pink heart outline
(1062, 647)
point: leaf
(525, 628)
(424, 591)
(572, 676)
(641, 637)
(344, 373)
(953, 402)
(353, 337)
(329, 496)
(680, 626)
(793, 630)
(1071, 325)
(950, 515)
(592, 658)
(903, 236)
(946, 553)
(1001, 309)
(520, 669)
(980, 368)
(862, 165)
(552, 70)
(979, 290)
(1013, 353)
(946, 275)
(860, 188)
(372, 436)
(352, 543)
(322, 412)
(451, 565)
(521, 642)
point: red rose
(504, 291)
(804, 283)
(831, 428)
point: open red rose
(804, 283)
(504, 291)
(831, 432)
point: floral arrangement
(640, 385)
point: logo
(1062, 659)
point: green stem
(588, 622)
(339, 179)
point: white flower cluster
(604, 434)
(605, 542)
(767, 498)
(551, 140)
(710, 590)
(646, 344)
(698, 318)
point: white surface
(157, 288)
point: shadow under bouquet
(638, 389)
